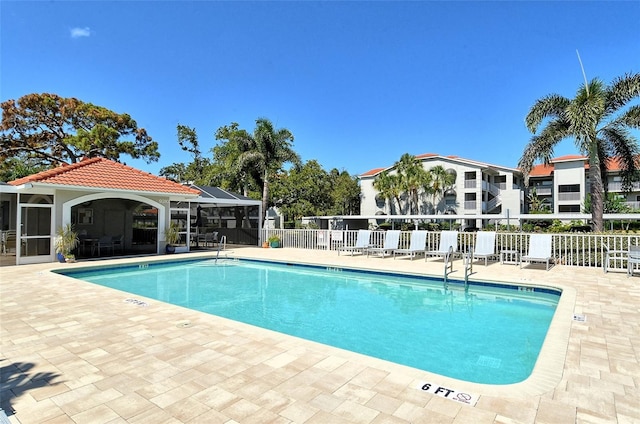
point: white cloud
(80, 32)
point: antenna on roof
(586, 85)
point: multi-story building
(483, 189)
(480, 188)
(560, 186)
(563, 184)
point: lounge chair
(362, 243)
(633, 259)
(485, 247)
(539, 250)
(391, 241)
(448, 245)
(417, 245)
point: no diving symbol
(464, 397)
(448, 393)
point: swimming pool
(489, 333)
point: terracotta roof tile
(541, 171)
(613, 165)
(105, 173)
(426, 155)
(372, 172)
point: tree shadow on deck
(15, 379)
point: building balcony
(544, 191)
(566, 197)
(617, 186)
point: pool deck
(73, 352)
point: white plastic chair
(485, 246)
(539, 250)
(448, 244)
(391, 242)
(633, 259)
(362, 243)
(417, 245)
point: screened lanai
(217, 215)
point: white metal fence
(573, 249)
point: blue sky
(357, 83)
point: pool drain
(184, 324)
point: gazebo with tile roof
(99, 197)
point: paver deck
(71, 351)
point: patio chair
(485, 247)
(102, 242)
(633, 259)
(208, 238)
(117, 243)
(448, 245)
(391, 242)
(362, 243)
(539, 250)
(8, 241)
(417, 245)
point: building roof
(106, 174)
(376, 171)
(569, 158)
(373, 171)
(542, 170)
(217, 195)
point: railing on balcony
(470, 205)
(571, 249)
(470, 183)
(634, 206)
(568, 196)
(544, 191)
(617, 186)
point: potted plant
(274, 240)
(172, 236)
(66, 240)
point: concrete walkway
(76, 352)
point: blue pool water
(488, 334)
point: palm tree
(599, 128)
(388, 187)
(439, 182)
(413, 178)
(267, 150)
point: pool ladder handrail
(468, 267)
(448, 263)
(222, 244)
(467, 259)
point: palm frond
(622, 90)
(551, 106)
(624, 148)
(630, 118)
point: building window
(569, 188)
(569, 208)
